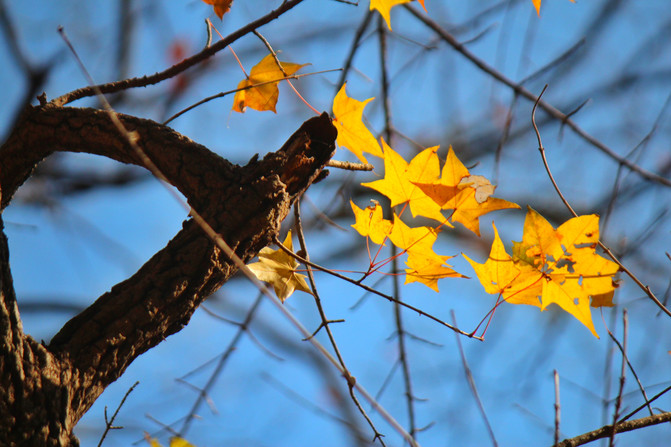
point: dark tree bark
(46, 389)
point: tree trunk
(46, 389)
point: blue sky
(82, 245)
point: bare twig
(109, 424)
(374, 291)
(171, 72)
(645, 404)
(350, 166)
(557, 406)
(623, 351)
(520, 90)
(396, 287)
(228, 92)
(223, 359)
(355, 44)
(325, 323)
(623, 371)
(471, 384)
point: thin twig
(173, 71)
(325, 322)
(471, 384)
(610, 254)
(109, 423)
(373, 291)
(223, 359)
(355, 45)
(520, 90)
(623, 351)
(645, 404)
(557, 406)
(247, 87)
(350, 166)
(396, 287)
(623, 372)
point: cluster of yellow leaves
(548, 266)
(263, 79)
(425, 266)
(419, 184)
(278, 268)
(552, 266)
(537, 5)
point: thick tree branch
(245, 205)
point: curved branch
(95, 347)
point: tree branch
(173, 71)
(96, 346)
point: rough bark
(45, 390)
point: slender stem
(326, 322)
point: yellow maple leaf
(263, 97)
(370, 223)
(428, 269)
(279, 269)
(500, 275)
(468, 195)
(400, 178)
(352, 132)
(559, 266)
(537, 5)
(221, 7)
(425, 266)
(384, 7)
(413, 239)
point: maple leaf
(370, 223)
(352, 132)
(221, 7)
(263, 97)
(428, 269)
(426, 266)
(468, 195)
(500, 275)
(384, 7)
(401, 178)
(537, 5)
(559, 266)
(279, 269)
(413, 239)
